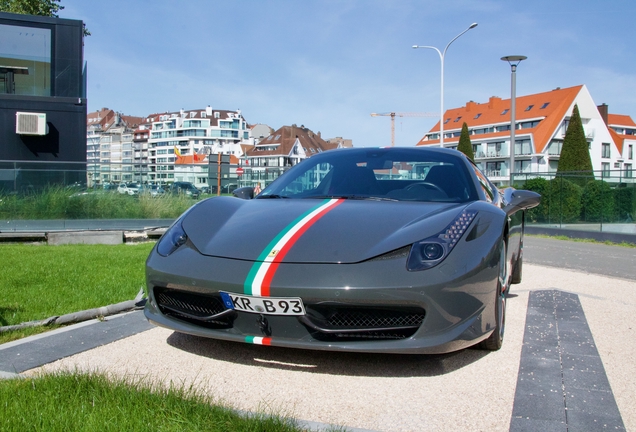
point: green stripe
(247, 287)
(249, 339)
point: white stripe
(258, 340)
(260, 275)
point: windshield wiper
(271, 196)
(351, 197)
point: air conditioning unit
(27, 123)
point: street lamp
(513, 61)
(442, 54)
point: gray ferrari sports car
(400, 250)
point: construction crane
(401, 114)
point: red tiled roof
(284, 139)
(620, 120)
(550, 107)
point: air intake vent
(30, 123)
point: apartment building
(110, 153)
(541, 122)
(176, 137)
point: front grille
(331, 323)
(206, 310)
(373, 319)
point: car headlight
(172, 240)
(432, 251)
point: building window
(504, 112)
(630, 152)
(447, 120)
(605, 167)
(628, 171)
(545, 105)
(25, 56)
(605, 150)
(457, 119)
(478, 115)
(529, 107)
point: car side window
(489, 189)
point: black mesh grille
(192, 307)
(338, 323)
(374, 319)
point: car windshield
(393, 174)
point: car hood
(340, 231)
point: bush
(563, 200)
(540, 186)
(624, 203)
(597, 202)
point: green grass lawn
(40, 281)
(92, 402)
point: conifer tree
(465, 146)
(575, 154)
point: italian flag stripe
(262, 272)
(258, 340)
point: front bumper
(439, 310)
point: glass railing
(602, 201)
(77, 195)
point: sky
(329, 64)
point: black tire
(517, 272)
(495, 340)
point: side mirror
(246, 192)
(516, 200)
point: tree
(575, 156)
(32, 7)
(465, 146)
(35, 7)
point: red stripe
(267, 341)
(271, 271)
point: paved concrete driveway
(567, 364)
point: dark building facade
(42, 99)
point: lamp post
(514, 61)
(442, 54)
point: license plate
(264, 305)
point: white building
(180, 142)
(541, 122)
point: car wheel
(495, 340)
(517, 273)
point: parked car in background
(128, 188)
(185, 188)
(204, 189)
(153, 190)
